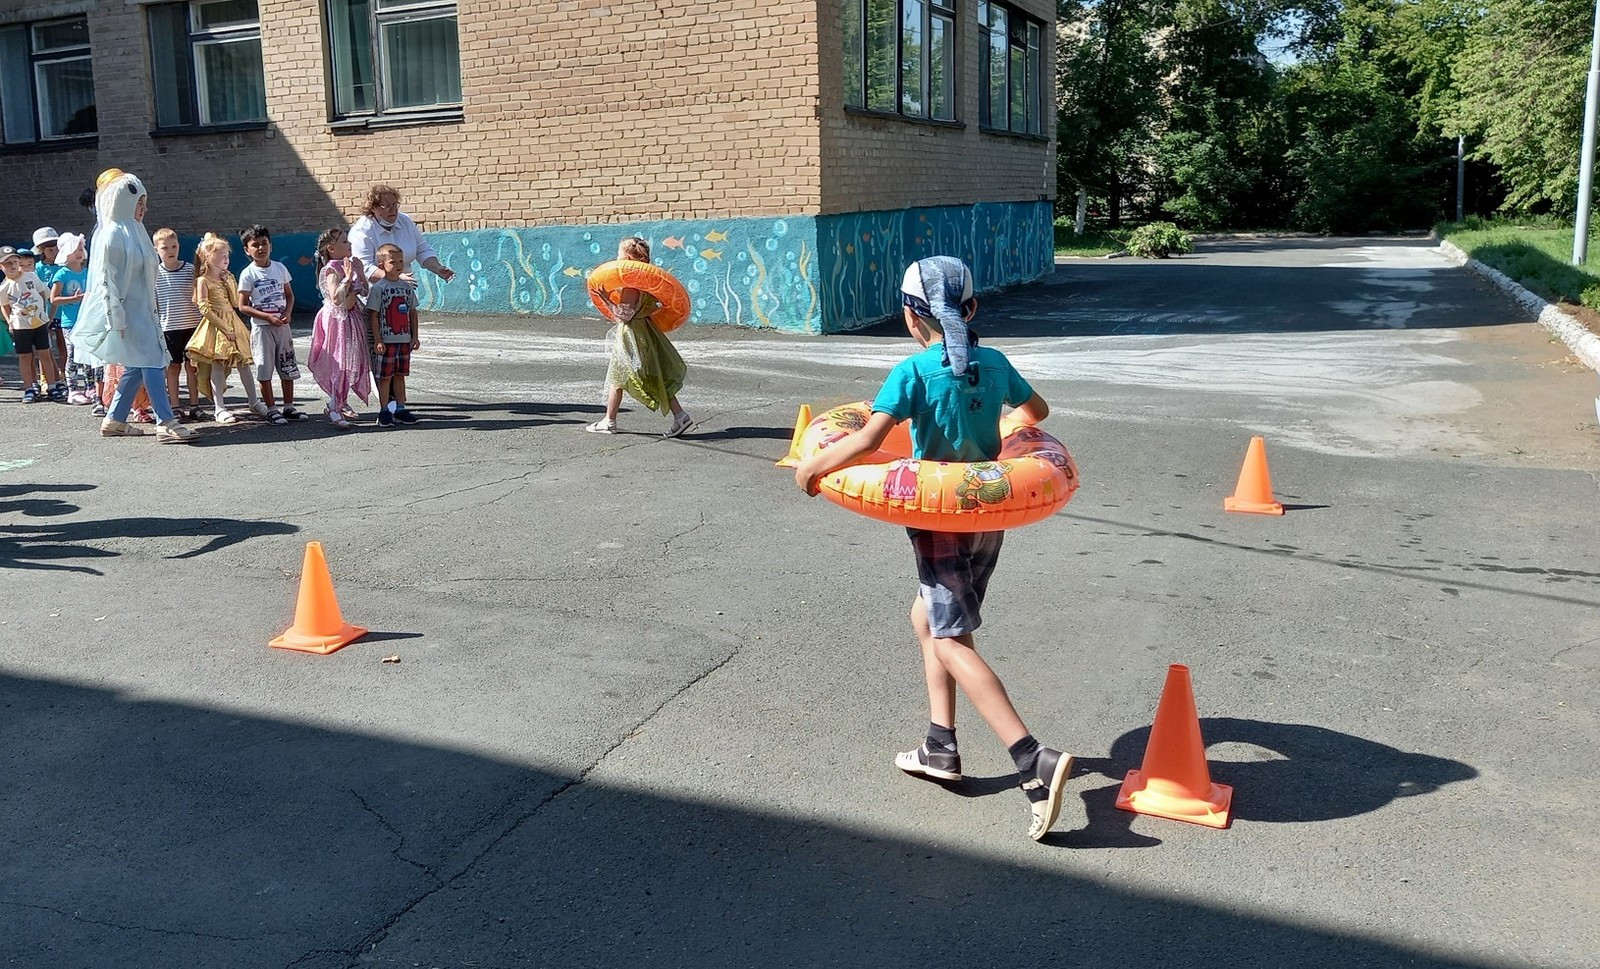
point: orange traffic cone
(318, 626)
(803, 421)
(1174, 781)
(1254, 491)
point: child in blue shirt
(953, 393)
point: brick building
(784, 159)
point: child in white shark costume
(117, 323)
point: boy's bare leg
(941, 685)
(194, 390)
(383, 391)
(266, 392)
(172, 385)
(288, 391)
(961, 661)
(26, 368)
(397, 389)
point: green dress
(643, 361)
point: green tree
(1108, 88)
(1520, 81)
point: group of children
(215, 324)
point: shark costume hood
(118, 322)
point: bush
(1158, 240)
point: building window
(393, 55)
(1010, 70)
(46, 82)
(205, 59)
(899, 57)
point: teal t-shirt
(952, 418)
(72, 284)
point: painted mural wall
(748, 272)
(804, 274)
(865, 254)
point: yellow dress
(223, 338)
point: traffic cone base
(1253, 494)
(1163, 799)
(318, 627)
(801, 422)
(1174, 781)
(322, 645)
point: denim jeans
(154, 380)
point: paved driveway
(648, 695)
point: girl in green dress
(643, 361)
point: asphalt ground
(648, 695)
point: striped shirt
(175, 297)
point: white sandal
(337, 419)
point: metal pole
(1580, 238)
(1461, 176)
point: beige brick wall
(871, 163)
(575, 112)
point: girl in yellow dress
(222, 340)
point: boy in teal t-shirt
(953, 393)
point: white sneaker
(604, 425)
(680, 422)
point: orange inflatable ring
(620, 274)
(1032, 479)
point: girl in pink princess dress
(339, 342)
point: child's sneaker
(30, 393)
(385, 419)
(680, 422)
(1044, 790)
(403, 415)
(945, 765)
(605, 425)
(79, 397)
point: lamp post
(1580, 238)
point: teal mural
(807, 274)
(749, 272)
(866, 253)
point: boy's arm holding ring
(845, 453)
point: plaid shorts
(394, 361)
(953, 570)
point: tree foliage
(1330, 115)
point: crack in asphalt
(74, 916)
(372, 939)
(400, 838)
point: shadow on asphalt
(178, 835)
(1124, 297)
(55, 547)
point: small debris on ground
(391, 659)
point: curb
(1583, 344)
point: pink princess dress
(340, 358)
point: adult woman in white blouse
(383, 224)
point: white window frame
(38, 59)
(381, 14)
(196, 38)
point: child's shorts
(953, 570)
(36, 340)
(394, 361)
(273, 348)
(178, 344)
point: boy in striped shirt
(179, 317)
